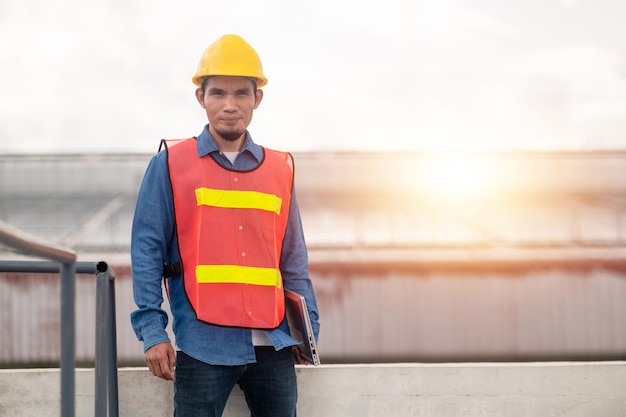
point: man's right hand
(161, 360)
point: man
(217, 217)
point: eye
(216, 93)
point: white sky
(343, 74)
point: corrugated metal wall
(553, 314)
(547, 314)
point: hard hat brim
(199, 78)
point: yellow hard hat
(230, 55)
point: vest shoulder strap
(168, 143)
(286, 156)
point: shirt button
(240, 227)
(243, 254)
(235, 179)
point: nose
(229, 102)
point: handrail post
(106, 344)
(68, 338)
(102, 304)
(112, 349)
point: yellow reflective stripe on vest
(234, 274)
(238, 199)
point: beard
(230, 136)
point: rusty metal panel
(549, 314)
(30, 318)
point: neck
(227, 145)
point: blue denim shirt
(154, 242)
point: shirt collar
(206, 145)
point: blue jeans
(269, 385)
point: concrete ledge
(429, 390)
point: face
(229, 103)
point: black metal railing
(63, 261)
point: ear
(258, 98)
(200, 96)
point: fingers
(161, 360)
(172, 359)
(297, 358)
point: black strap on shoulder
(172, 270)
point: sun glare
(458, 176)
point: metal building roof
(364, 208)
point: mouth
(230, 120)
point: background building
(414, 256)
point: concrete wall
(560, 389)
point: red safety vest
(230, 227)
